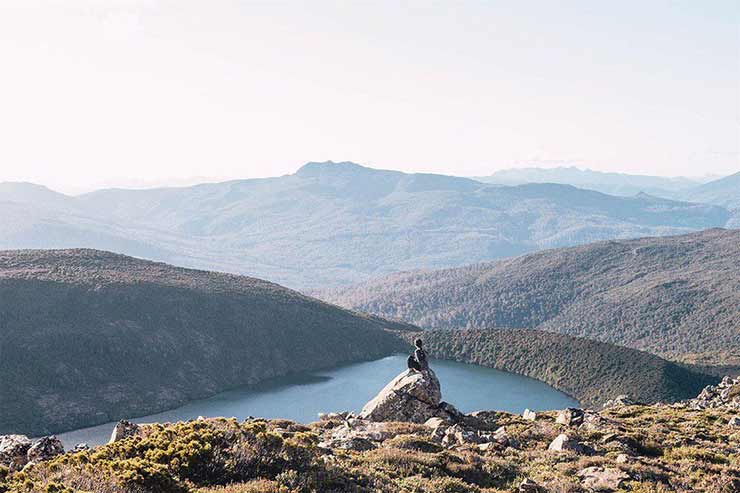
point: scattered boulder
(529, 415)
(529, 486)
(44, 449)
(622, 459)
(123, 429)
(13, 451)
(564, 443)
(80, 447)
(602, 478)
(734, 421)
(570, 417)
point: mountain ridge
(339, 223)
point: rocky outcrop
(44, 449)
(725, 394)
(413, 396)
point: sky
(142, 92)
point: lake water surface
(347, 388)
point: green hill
(89, 336)
(674, 296)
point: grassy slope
(89, 336)
(670, 450)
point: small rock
(570, 417)
(602, 478)
(80, 447)
(485, 447)
(482, 420)
(123, 429)
(529, 486)
(434, 423)
(620, 401)
(44, 449)
(622, 459)
(734, 421)
(563, 443)
(501, 437)
(352, 443)
(529, 415)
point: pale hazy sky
(115, 91)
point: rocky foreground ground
(406, 440)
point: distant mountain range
(337, 223)
(612, 183)
(87, 337)
(724, 192)
(675, 296)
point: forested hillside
(333, 224)
(88, 337)
(674, 296)
(591, 371)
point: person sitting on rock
(418, 360)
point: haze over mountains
(675, 296)
(337, 223)
(611, 183)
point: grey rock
(570, 417)
(620, 401)
(529, 415)
(564, 443)
(13, 451)
(123, 429)
(602, 478)
(529, 486)
(80, 447)
(44, 449)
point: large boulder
(413, 396)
